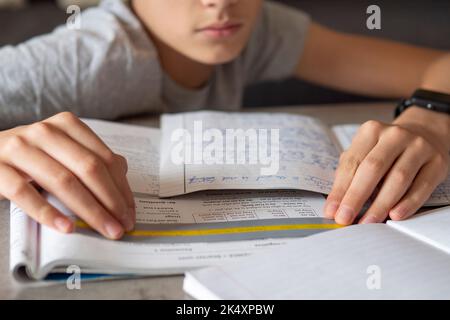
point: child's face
(207, 31)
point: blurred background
(420, 22)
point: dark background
(419, 22)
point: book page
(175, 235)
(441, 195)
(345, 134)
(23, 242)
(358, 262)
(230, 206)
(139, 145)
(97, 255)
(223, 150)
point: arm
(365, 65)
(403, 161)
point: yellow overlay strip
(221, 231)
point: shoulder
(112, 59)
(106, 67)
(101, 30)
(109, 21)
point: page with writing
(345, 134)
(218, 150)
(139, 145)
(230, 206)
(371, 261)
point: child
(178, 55)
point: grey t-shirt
(109, 68)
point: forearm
(384, 68)
(437, 74)
(370, 66)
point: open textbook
(200, 229)
(225, 150)
(172, 235)
(399, 260)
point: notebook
(399, 260)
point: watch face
(432, 96)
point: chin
(217, 56)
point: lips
(221, 30)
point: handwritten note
(307, 155)
(140, 146)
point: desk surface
(160, 287)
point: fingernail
(330, 209)
(397, 214)
(344, 215)
(113, 230)
(63, 225)
(368, 220)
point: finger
(429, 177)
(86, 166)
(84, 135)
(370, 172)
(121, 179)
(26, 197)
(397, 181)
(27, 179)
(363, 142)
(59, 181)
(119, 169)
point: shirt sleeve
(276, 44)
(106, 69)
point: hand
(403, 161)
(63, 156)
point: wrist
(432, 125)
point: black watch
(427, 99)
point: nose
(220, 4)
